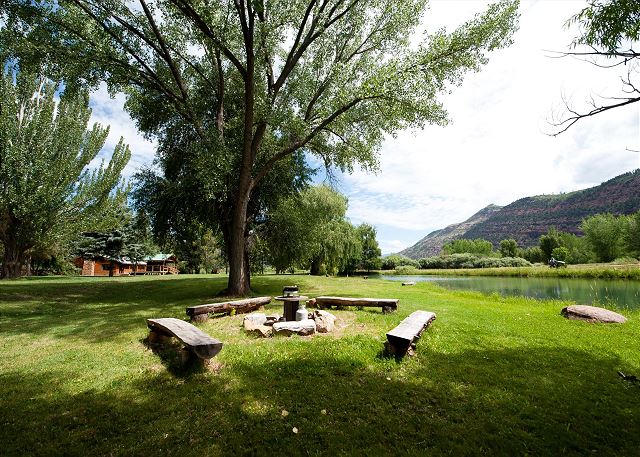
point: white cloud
(110, 111)
(496, 149)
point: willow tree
(47, 188)
(608, 36)
(325, 77)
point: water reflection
(622, 294)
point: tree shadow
(537, 401)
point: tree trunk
(239, 277)
(12, 261)
(112, 265)
(315, 267)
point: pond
(622, 294)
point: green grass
(493, 376)
(594, 271)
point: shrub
(471, 261)
(625, 261)
(533, 255)
(464, 246)
(560, 253)
(405, 269)
(393, 261)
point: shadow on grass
(538, 401)
(99, 309)
(175, 358)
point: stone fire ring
(592, 314)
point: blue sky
(496, 148)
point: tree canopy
(48, 191)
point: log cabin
(159, 264)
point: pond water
(622, 294)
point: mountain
(432, 244)
(528, 218)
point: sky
(497, 147)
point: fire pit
(291, 301)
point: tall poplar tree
(47, 188)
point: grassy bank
(587, 271)
(494, 376)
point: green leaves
(608, 24)
(47, 188)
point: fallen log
(404, 336)
(200, 312)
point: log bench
(403, 338)
(388, 305)
(196, 342)
(200, 313)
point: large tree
(605, 235)
(327, 77)
(47, 190)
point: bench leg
(388, 309)
(199, 318)
(158, 338)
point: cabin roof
(158, 257)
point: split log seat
(387, 304)
(201, 312)
(405, 335)
(195, 340)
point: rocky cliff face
(528, 218)
(432, 244)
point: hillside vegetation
(525, 220)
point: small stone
(263, 331)
(593, 314)
(324, 411)
(272, 319)
(388, 379)
(325, 321)
(254, 319)
(303, 327)
(255, 324)
(294, 429)
(285, 413)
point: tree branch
(187, 10)
(294, 146)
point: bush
(625, 261)
(464, 246)
(471, 261)
(405, 269)
(533, 255)
(393, 261)
(560, 253)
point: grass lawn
(493, 376)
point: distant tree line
(606, 238)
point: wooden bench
(200, 313)
(403, 338)
(195, 340)
(387, 304)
